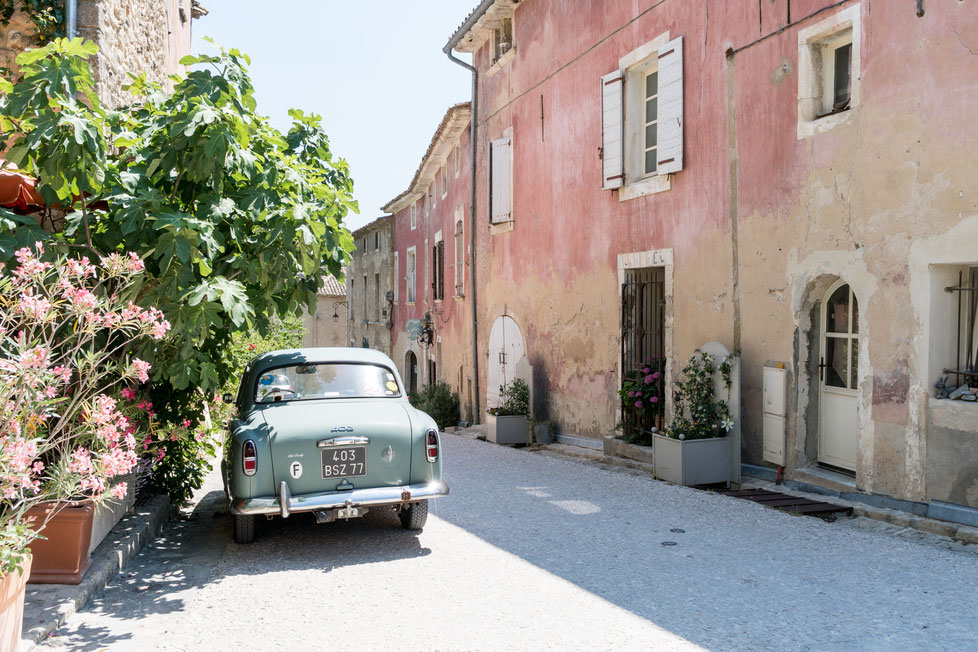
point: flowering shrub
(514, 399)
(698, 413)
(641, 401)
(65, 327)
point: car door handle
(353, 440)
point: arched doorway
(838, 367)
(505, 350)
(411, 372)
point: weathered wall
(556, 271)
(321, 330)
(148, 36)
(368, 281)
(858, 201)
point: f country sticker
(295, 469)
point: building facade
(431, 327)
(328, 325)
(654, 176)
(368, 287)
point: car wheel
(244, 529)
(413, 516)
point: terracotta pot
(12, 587)
(62, 557)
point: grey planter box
(507, 430)
(692, 462)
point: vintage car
(328, 431)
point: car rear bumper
(285, 503)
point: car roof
(322, 354)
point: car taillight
(249, 455)
(431, 446)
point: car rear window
(326, 380)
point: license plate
(345, 462)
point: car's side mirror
(227, 398)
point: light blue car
(328, 431)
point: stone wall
(367, 283)
(134, 37)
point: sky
(374, 69)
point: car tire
(244, 529)
(413, 516)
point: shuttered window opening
(459, 258)
(500, 180)
(642, 118)
(438, 271)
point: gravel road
(537, 552)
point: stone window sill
(502, 227)
(501, 61)
(649, 186)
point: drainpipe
(71, 18)
(476, 414)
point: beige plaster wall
(321, 330)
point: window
(377, 241)
(397, 281)
(365, 317)
(414, 216)
(350, 299)
(642, 119)
(431, 199)
(828, 71)
(438, 271)
(411, 265)
(459, 254)
(443, 182)
(376, 297)
(958, 345)
(458, 155)
(501, 180)
(502, 39)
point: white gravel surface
(536, 552)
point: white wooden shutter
(670, 152)
(500, 180)
(612, 125)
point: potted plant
(65, 439)
(694, 449)
(508, 422)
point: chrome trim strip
(350, 440)
(334, 499)
(284, 499)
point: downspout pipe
(473, 292)
(71, 18)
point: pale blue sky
(374, 69)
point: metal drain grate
(786, 503)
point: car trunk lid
(333, 445)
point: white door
(505, 350)
(838, 367)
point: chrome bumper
(285, 503)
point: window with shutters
(412, 261)
(414, 216)
(438, 271)
(828, 72)
(397, 281)
(459, 254)
(642, 119)
(501, 180)
(502, 39)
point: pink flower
(81, 461)
(135, 263)
(654, 399)
(36, 358)
(119, 491)
(159, 329)
(631, 394)
(252, 347)
(638, 404)
(37, 467)
(649, 379)
(645, 371)
(141, 368)
(127, 393)
(656, 376)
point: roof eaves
(459, 112)
(370, 226)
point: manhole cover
(668, 543)
(678, 530)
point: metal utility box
(773, 420)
